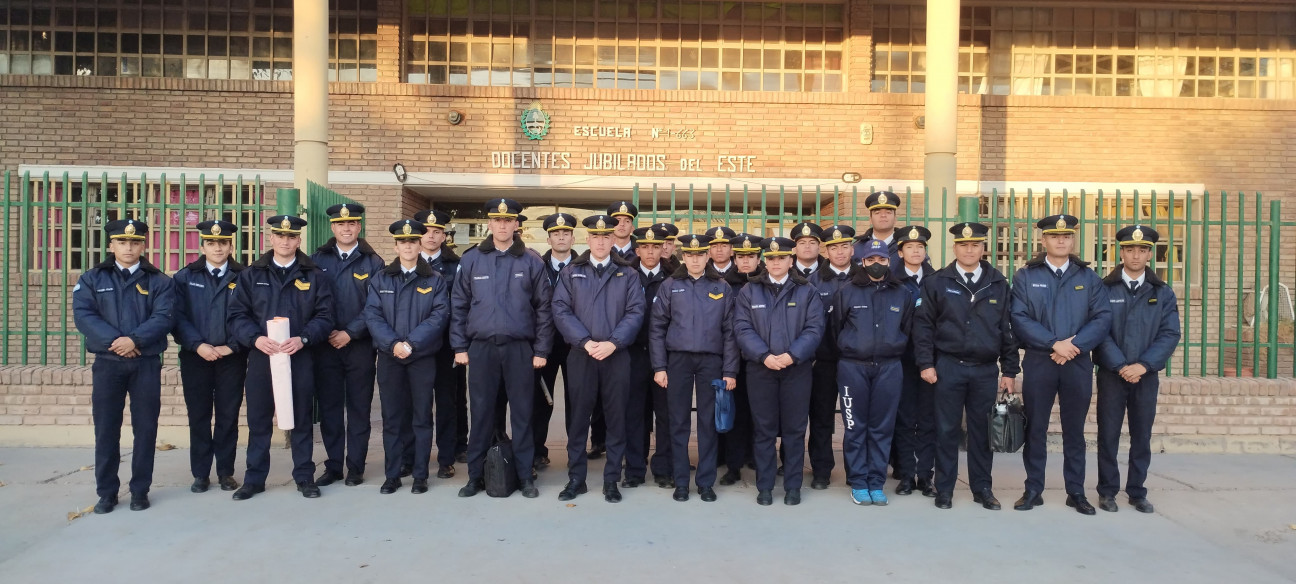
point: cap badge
(130, 228)
(285, 224)
(747, 243)
(882, 199)
(1138, 234)
(623, 208)
(1061, 223)
(560, 221)
(913, 233)
(600, 224)
(405, 229)
(837, 234)
(503, 207)
(967, 231)
(345, 212)
(649, 235)
(215, 230)
(695, 243)
(774, 246)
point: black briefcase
(501, 468)
(1007, 427)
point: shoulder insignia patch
(301, 285)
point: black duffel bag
(501, 468)
(1007, 427)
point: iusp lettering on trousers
(846, 407)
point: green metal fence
(318, 200)
(54, 231)
(1222, 251)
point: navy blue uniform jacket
(202, 305)
(772, 323)
(1047, 309)
(1145, 325)
(416, 310)
(870, 319)
(141, 307)
(972, 324)
(501, 296)
(827, 283)
(305, 297)
(694, 316)
(587, 307)
(350, 283)
(650, 286)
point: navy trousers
(597, 383)
(736, 444)
(1071, 385)
(1115, 398)
(780, 407)
(405, 393)
(823, 410)
(638, 413)
(543, 410)
(489, 365)
(969, 389)
(689, 375)
(213, 387)
(113, 380)
(915, 433)
(261, 411)
(345, 386)
(870, 395)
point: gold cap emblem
(837, 234)
(285, 224)
(215, 230)
(130, 228)
(746, 243)
(405, 229)
(649, 235)
(913, 233)
(882, 199)
(1061, 223)
(503, 208)
(623, 208)
(560, 221)
(967, 231)
(1138, 234)
(695, 243)
(345, 212)
(774, 246)
(600, 224)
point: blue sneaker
(861, 497)
(878, 497)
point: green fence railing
(54, 231)
(1221, 251)
(319, 198)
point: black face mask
(877, 271)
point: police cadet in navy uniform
(668, 257)
(1144, 334)
(500, 322)
(778, 322)
(834, 274)
(882, 207)
(692, 344)
(124, 306)
(461, 373)
(450, 394)
(735, 446)
(913, 450)
(344, 366)
(406, 311)
(646, 398)
(823, 388)
(212, 364)
(870, 319)
(1059, 314)
(598, 306)
(560, 233)
(283, 283)
(961, 328)
(623, 243)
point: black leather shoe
(529, 489)
(389, 486)
(819, 483)
(596, 452)
(200, 485)
(730, 477)
(681, 494)
(792, 497)
(631, 483)
(765, 498)
(246, 492)
(228, 483)
(707, 494)
(611, 493)
(987, 499)
(308, 489)
(139, 502)
(406, 470)
(445, 472)
(1028, 501)
(573, 489)
(1081, 504)
(105, 504)
(905, 487)
(329, 477)
(944, 501)
(472, 488)
(927, 486)
(1141, 505)
(665, 482)
(420, 486)
(540, 462)
(352, 479)
(461, 457)
(1107, 504)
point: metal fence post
(1274, 251)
